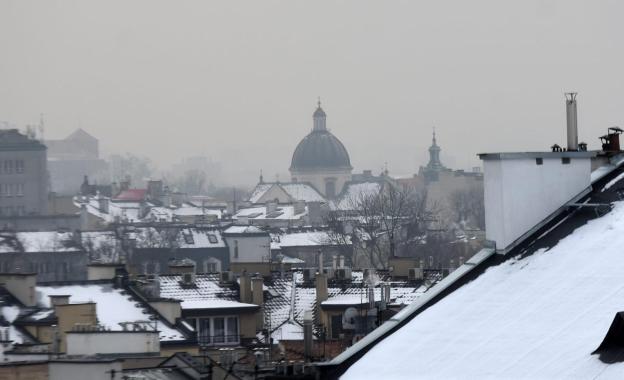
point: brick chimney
(257, 284)
(321, 288)
(245, 288)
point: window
(188, 237)
(232, 329)
(336, 326)
(19, 190)
(19, 166)
(8, 167)
(565, 160)
(6, 190)
(330, 188)
(212, 265)
(151, 267)
(212, 238)
(217, 330)
(236, 249)
(539, 161)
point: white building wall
(519, 194)
(251, 248)
(318, 179)
(118, 342)
(67, 370)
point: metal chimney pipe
(571, 121)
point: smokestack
(571, 121)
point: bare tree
(381, 220)
(468, 206)
(340, 235)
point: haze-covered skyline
(238, 81)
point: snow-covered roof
(206, 294)
(281, 213)
(191, 237)
(243, 230)
(10, 310)
(170, 214)
(113, 306)
(290, 298)
(295, 190)
(300, 239)
(288, 331)
(302, 192)
(47, 241)
(353, 193)
(259, 191)
(540, 316)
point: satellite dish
(349, 318)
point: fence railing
(217, 340)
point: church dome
(320, 149)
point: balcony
(217, 340)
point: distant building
(72, 158)
(441, 182)
(23, 175)
(321, 159)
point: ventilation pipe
(571, 121)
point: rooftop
(538, 314)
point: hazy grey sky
(238, 80)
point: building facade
(23, 175)
(72, 158)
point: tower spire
(434, 154)
(319, 118)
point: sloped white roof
(300, 239)
(281, 213)
(354, 193)
(297, 191)
(112, 306)
(534, 317)
(243, 230)
(206, 294)
(303, 192)
(259, 191)
(192, 237)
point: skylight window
(188, 237)
(212, 239)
